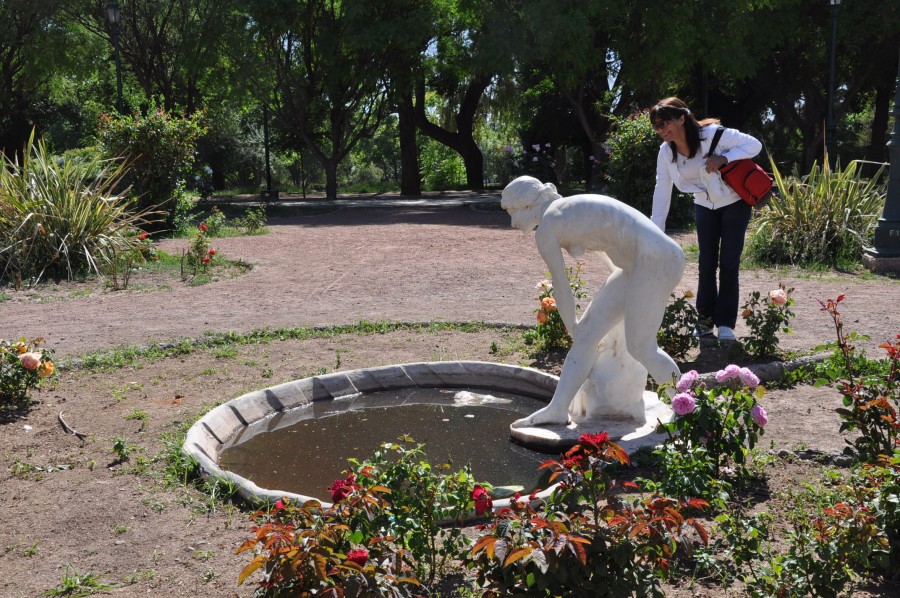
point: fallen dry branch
(69, 429)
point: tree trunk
(330, 178)
(410, 179)
(463, 140)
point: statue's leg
(601, 315)
(648, 293)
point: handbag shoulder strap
(715, 140)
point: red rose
(483, 502)
(202, 227)
(212, 252)
(341, 489)
(143, 237)
(359, 556)
(206, 260)
(594, 439)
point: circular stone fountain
(244, 418)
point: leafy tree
(474, 45)
(35, 42)
(330, 60)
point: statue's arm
(549, 248)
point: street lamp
(115, 16)
(884, 255)
(829, 127)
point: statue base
(626, 432)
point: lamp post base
(881, 262)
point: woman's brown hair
(671, 108)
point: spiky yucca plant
(826, 217)
(61, 216)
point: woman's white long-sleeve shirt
(709, 189)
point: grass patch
(226, 341)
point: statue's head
(525, 199)
(524, 192)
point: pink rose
(687, 381)
(30, 361)
(730, 371)
(683, 404)
(778, 297)
(759, 415)
(360, 556)
(749, 378)
(483, 502)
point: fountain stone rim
(224, 425)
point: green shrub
(159, 149)
(442, 167)
(60, 216)
(826, 217)
(630, 174)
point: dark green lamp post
(884, 255)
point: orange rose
(21, 347)
(542, 317)
(746, 313)
(46, 369)
(548, 303)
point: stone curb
(772, 371)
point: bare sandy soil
(69, 505)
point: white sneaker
(726, 334)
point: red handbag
(745, 177)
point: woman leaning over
(721, 215)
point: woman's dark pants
(720, 236)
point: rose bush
(766, 318)
(726, 420)
(22, 366)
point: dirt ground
(68, 506)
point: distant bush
(826, 217)
(159, 150)
(442, 167)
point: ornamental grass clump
(587, 538)
(62, 216)
(826, 217)
(23, 364)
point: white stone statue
(614, 342)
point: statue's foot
(543, 417)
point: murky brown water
(305, 456)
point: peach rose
(542, 317)
(778, 297)
(30, 361)
(548, 303)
